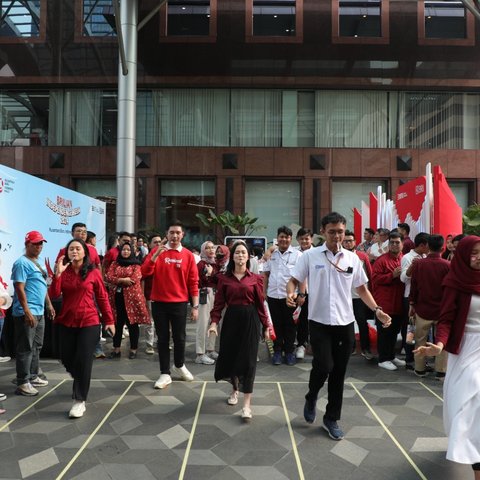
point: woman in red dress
(126, 298)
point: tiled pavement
(393, 425)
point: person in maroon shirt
(81, 286)
(388, 292)
(425, 299)
(242, 292)
(408, 243)
(458, 332)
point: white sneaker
(77, 410)
(163, 381)
(38, 382)
(300, 352)
(399, 362)
(5, 359)
(149, 350)
(26, 390)
(2, 397)
(183, 373)
(213, 354)
(387, 365)
(204, 360)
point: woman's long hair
(231, 263)
(87, 265)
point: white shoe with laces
(300, 352)
(398, 362)
(38, 382)
(77, 410)
(5, 359)
(204, 359)
(163, 381)
(387, 365)
(182, 372)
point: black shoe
(115, 355)
(132, 355)
(310, 410)
(420, 373)
(334, 431)
(440, 376)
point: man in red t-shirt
(79, 232)
(175, 279)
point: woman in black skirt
(242, 292)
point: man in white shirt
(331, 271)
(381, 244)
(420, 250)
(277, 272)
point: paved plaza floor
(392, 421)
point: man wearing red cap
(29, 301)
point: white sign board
(29, 203)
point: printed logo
(64, 208)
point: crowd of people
(304, 299)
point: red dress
(135, 302)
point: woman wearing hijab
(207, 271)
(126, 298)
(458, 332)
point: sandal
(233, 398)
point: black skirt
(237, 359)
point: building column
(126, 122)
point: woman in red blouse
(81, 285)
(242, 292)
(126, 298)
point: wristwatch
(301, 295)
(195, 306)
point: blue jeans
(28, 344)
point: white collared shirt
(330, 284)
(178, 249)
(407, 260)
(376, 251)
(280, 267)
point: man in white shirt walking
(277, 272)
(331, 272)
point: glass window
(98, 18)
(261, 200)
(445, 19)
(188, 17)
(23, 118)
(347, 195)
(274, 18)
(20, 18)
(461, 190)
(360, 18)
(106, 191)
(182, 200)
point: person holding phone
(82, 288)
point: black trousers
(360, 311)
(302, 325)
(331, 346)
(76, 352)
(387, 338)
(174, 315)
(122, 319)
(285, 328)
